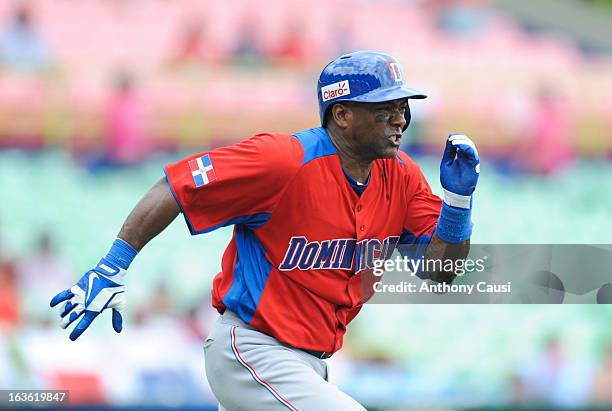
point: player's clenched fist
(459, 173)
(100, 288)
(459, 170)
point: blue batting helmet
(362, 76)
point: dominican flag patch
(202, 170)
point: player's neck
(353, 164)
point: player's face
(377, 127)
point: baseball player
(310, 211)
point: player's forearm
(440, 250)
(153, 213)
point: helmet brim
(379, 96)
(388, 94)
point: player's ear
(341, 114)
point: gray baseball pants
(249, 370)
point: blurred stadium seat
(93, 39)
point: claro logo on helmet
(335, 90)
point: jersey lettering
(342, 253)
(324, 259)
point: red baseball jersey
(302, 236)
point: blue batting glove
(459, 170)
(459, 173)
(100, 288)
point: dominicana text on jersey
(340, 253)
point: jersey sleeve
(422, 205)
(238, 184)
